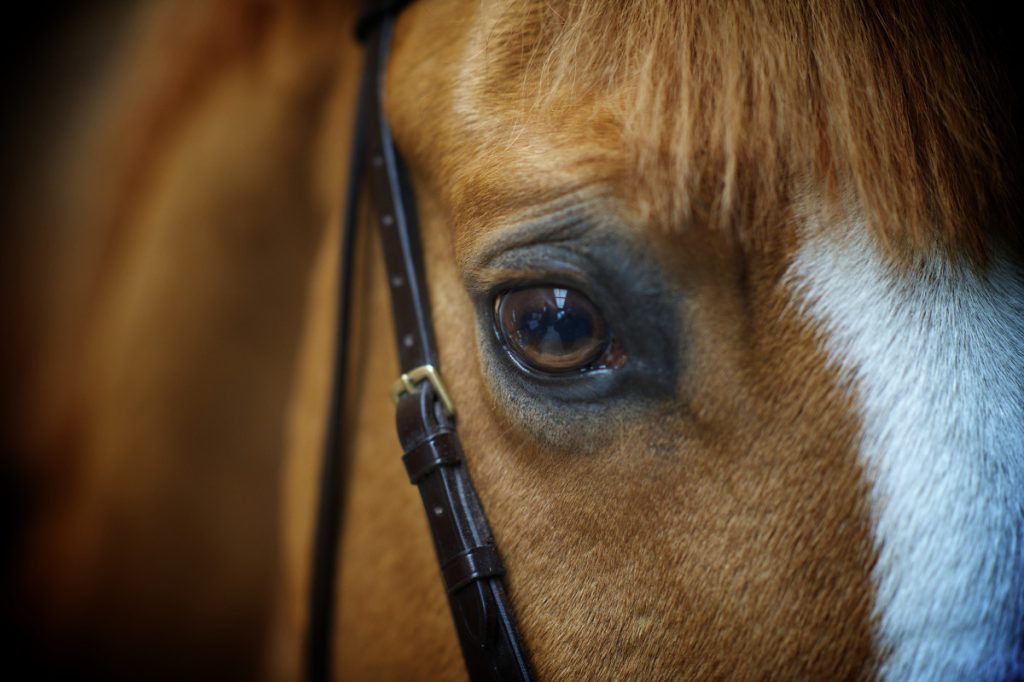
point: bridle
(471, 567)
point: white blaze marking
(937, 360)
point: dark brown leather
(396, 216)
(322, 593)
(439, 450)
(470, 564)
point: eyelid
(562, 222)
(524, 272)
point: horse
(802, 457)
(781, 435)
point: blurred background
(160, 215)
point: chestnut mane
(892, 104)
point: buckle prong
(409, 383)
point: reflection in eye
(554, 329)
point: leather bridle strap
(471, 567)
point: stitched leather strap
(471, 567)
(439, 450)
(322, 592)
(396, 216)
(476, 563)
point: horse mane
(893, 105)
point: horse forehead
(479, 115)
(458, 112)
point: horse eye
(552, 329)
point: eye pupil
(554, 329)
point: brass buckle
(407, 383)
